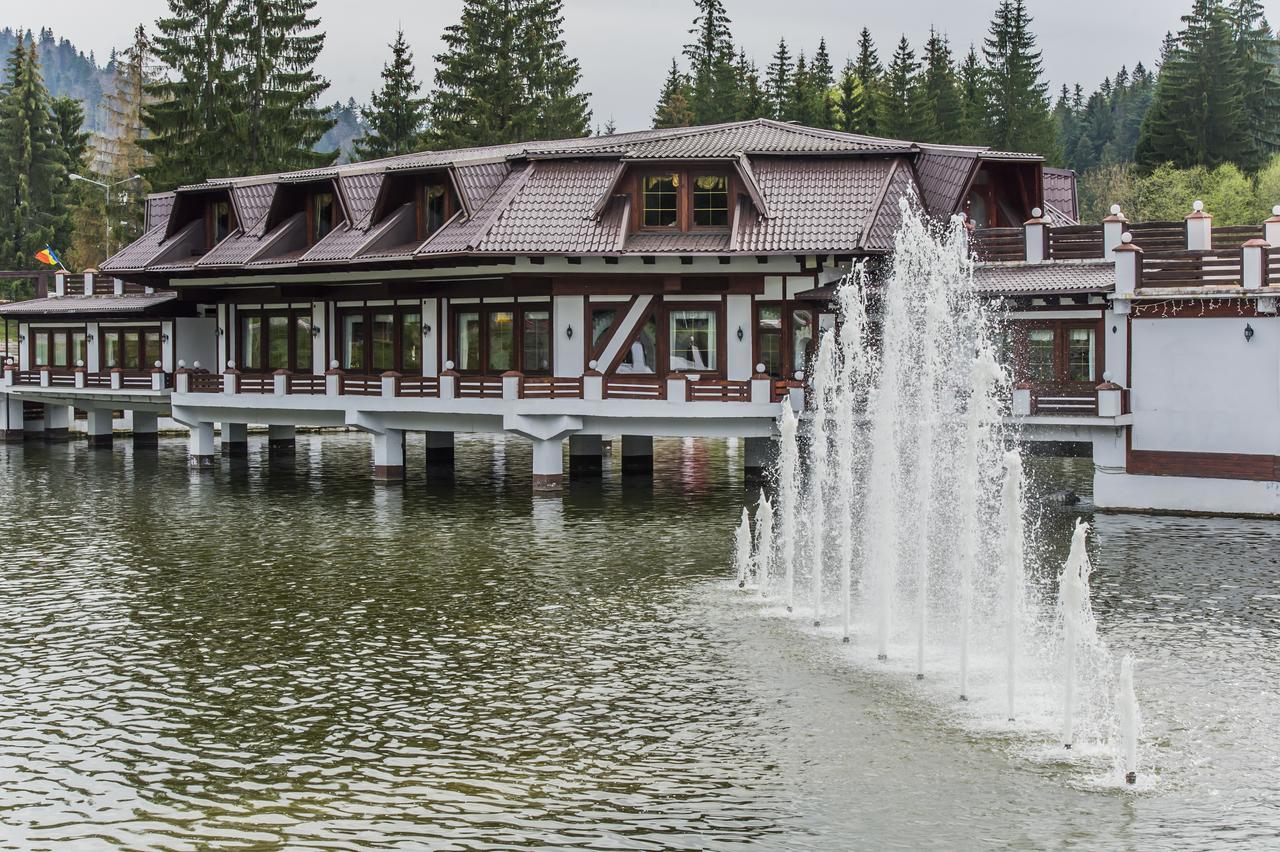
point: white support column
(11, 429)
(146, 429)
(637, 454)
(235, 440)
(439, 451)
(1253, 255)
(1199, 228)
(586, 456)
(548, 464)
(281, 438)
(388, 455)
(99, 423)
(1036, 236)
(200, 447)
(1112, 231)
(1128, 274)
(57, 422)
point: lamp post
(106, 209)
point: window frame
(517, 311)
(211, 214)
(684, 197)
(660, 312)
(717, 310)
(264, 315)
(145, 357)
(1061, 329)
(789, 308)
(366, 313)
(420, 205)
(67, 333)
(334, 218)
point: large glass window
(803, 323)
(711, 201)
(693, 340)
(468, 341)
(602, 321)
(303, 335)
(59, 358)
(411, 342)
(769, 335)
(661, 201)
(250, 342)
(1080, 355)
(219, 221)
(58, 348)
(642, 355)
(79, 349)
(132, 347)
(40, 348)
(502, 338)
(1040, 352)
(535, 342)
(353, 342)
(323, 213)
(435, 207)
(278, 327)
(384, 341)
(110, 350)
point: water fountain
(742, 550)
(763, 554)
(912, 479)
(1130, 722)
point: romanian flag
(48, 256)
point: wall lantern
(219, 332)
(315, 330)
(426, 329)
(741, 333)
(164, 338)
(88, 337)
(1248, 332)
(568, 332)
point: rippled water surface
(292, 655)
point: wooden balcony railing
(255, 383)
(634, 387)
(1191, 269)
(550, 387)
(709, 390)
(352, 385)
(305, 384)
(1159, 236)
(480, 387)
(418, 386)
(1075, 242)
(999, 244)
(205, 382)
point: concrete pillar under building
(235, 440)
(11, 427)
(439, 450)
(146, 429)
(100, 426)
(758, 455)
(57, 422)
(548, 464)
(586, 456)
(637, 454)
(281, 438)
(200, 447)
(388, 455)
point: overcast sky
(626, 46)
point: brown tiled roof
(818, 205)
(139, 253)
(648, 242)
(129, 303)
(1060, 194)
(158, 206)
(813, 191)
(888, 215)
(1032, 279)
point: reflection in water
(293, 656)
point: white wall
(738, 316)
(1115, 334)
(1198, 386)
(569, 357)
(195, 339)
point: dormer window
(684, 200)
(220, 222)
(435, 207)
(323, 215)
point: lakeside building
(658, 283)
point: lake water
(293, 655)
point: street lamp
(106, 210)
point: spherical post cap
(231, 365)
(448, 365)
(1036, 212)
(333, 365)
(1198, 206)
(1115, 209)
(1106, 376)
(760, 368)
(592, 364)
(1126, 238)
(158, 365)
(195, 365)
(79, 363)
(1275, 211)
(182, 364)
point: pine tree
(71, 145)
(939, 95)
(396, 116)
(870, 74)
(778, 81)
(711, 55)
(1019, 117)
(823, 79)
(850, 103)
(190, 108)
(973, 101)
(505, 77)
(124, 116)
(753, 100)
(802, 102)
(673, 104)
(899, 100)
(31, 164)
(279, 120)
(1256, 56)
(1198, 113)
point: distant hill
(68, 71)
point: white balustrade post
(448, 382)
(1271, 227)
(1199, 228)
(280, 382)
(230, 378)
(1036, 236)
(592, 383)
(88, 282)
(677, 387)
(1110, 400)
(157, 376)
(45, 376)
(117, 378)
(511, 384)
(1253, 264)
(59, 283)
(1022, 400)
(390, 383)
(182, 379)
(1112, 231)
(1128, 273)
(761, 385)
(795, 395)
(333, 380)
(117, 286)
(80, 376)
